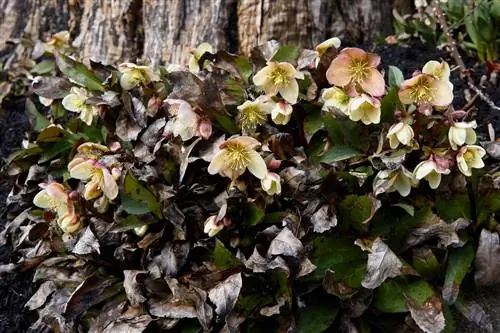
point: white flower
(336, 97)
(401, 180)
(279, 77)
(462, 133)
(431, 171)
(469, 157)
(366, 109)
(271, 183)
(235, 156)
(212, 228)
(441, 70)
(324, 46)
(76, 100)
(102, 181)
(426, 89)
(281, 113)
(196, 55)
(185, 122)
(133, 75)
(254, 113)
(400, 133)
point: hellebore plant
(182, 195)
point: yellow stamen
(359, 69)
(238, 156)
(469, 157)
(280, 77)
(421, 92)
(251, 116)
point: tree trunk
(163, 31)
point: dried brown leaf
(487, 259)
(225, 294)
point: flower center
(421, 92)
(279, 77)
(469, 157)
(238, 156)
(251, 116)
(359, 69)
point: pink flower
(357, 67)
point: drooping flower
(212, 227)
(185, 120)
(76, 100)
(426, 89)
(431, 171)
(279, 77)
(366, 109)
(235, 156)
(359, 68)
(401, 180)
(196, 55)
(400, 133)
(281, 113)
(469, 157)
(324, 46)
(271, 183)
(101, 180)
(54, 197)
(57, 41)
(254, 113)
(462, 133)
(133, 75)
(337, 98)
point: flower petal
(434, 179)
(256, 165)
(109, 186)
(130, 79)
(290, 92)
(338, 73)
(43, 200)
(92, 189)
(402, 185)
(83, 170)
(442, 93)
(373, 59)
(73, 102)
(218, 162)
(87, 115)
(374, 83)
(424, 168)
(262, 76)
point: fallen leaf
(225, 294)
(52, 87)
(87, 243)
(475, 313)
(487, 259)
(430, 316)
(135, 324)
(185, 152)
(40, 296)
(285, 244)
(132, 287)
(259, 264)
(324, 219)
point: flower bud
(212, 227)
(205, 128)
(273, 164)
(74, 196)
(115, 146)
(271, 184)
(154, 104)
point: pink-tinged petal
(373, 59)
(247, 141)
(75, 161)
(354, 52)
(256, 165)
(402, 185)
(43, 200)
(434, 180)
(92, 189)
(442, 93)
(432, 67)
(290, 92)
(405, 96)
(463, 166)
(109, 186)
(374, 83)
(424, 168)
(262, 77)
(217, 164)
(338, 72)
(57, 192)
(69, 223)
(83, 170)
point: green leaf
(51, 134)
(244, 66)
(140, 193)
(339, 254)
(396, 76)
(287, 53)
(78, 72)
(339, 153)
(57, 110)
(227, 124)
(23, 153)
(313, 123)
(253, 214)
(54, 150)
(354, 210)
(345, 133)
(459, 263)
(455, 206)
(316, 318)
(38, 120)
(425, 263)
(392, 295)
(389, 105)
(43, 67)
(224, 259)
(133, 207)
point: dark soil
(16, 290)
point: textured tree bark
(163, 31)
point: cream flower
(470, 157)
(45, 101)
(401, 180)
(324, 46)
(254, 113)
(337, 98)
(212, 227)
(462, 133)
(400, 133)
(431, 171)
(235, 156)
(196, 55)
(357, 67)
(281, 113)
(133, 75)
(55, 197)
(366, 109)
(440, 70)
(271, 183)
(75, 101)
(426, 89)
(102, 181)
(185, 122)
(279, 77)
(58, 40)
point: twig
(452, 47)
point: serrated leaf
(138, 192)
(339, 153)
(78, 72)
(38, 121)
